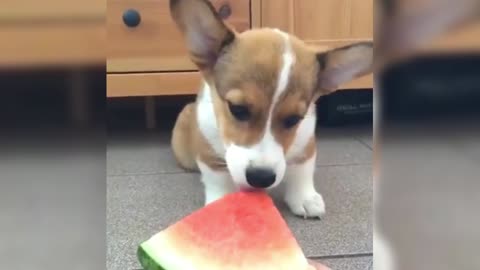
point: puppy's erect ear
(341, 65)
(204, 31)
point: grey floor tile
(140, 154)
(139, 206)
(336, 146)
(367, 140)
(342, 151)
(347, 226)
(360, 263)
(365, 135)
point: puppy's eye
(240, 112)
(291, 121)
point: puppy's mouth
(248, 189)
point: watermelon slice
(241, 231)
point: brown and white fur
(271, 79)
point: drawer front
(155, 44)
(28, 11)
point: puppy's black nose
(260, 177)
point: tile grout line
(363, 143)
(342, 256)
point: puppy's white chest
(207, 121)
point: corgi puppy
(253, 123)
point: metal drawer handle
(131, 18)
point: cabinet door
(155, 44)
(323, 23)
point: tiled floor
(146, 192)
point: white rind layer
(163, 251)
(160, 249)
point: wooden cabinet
(323, 23)
(151, 59)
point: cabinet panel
(316, 20)
(320, 20)
(361, 23)
(278, 14)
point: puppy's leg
(217, 183)
(300, 193)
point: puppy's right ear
(204, 31)
(344, 64)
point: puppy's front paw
(311, 206)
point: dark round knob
(225, 11)
(131, 18)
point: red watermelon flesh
(243, 230)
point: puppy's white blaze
(207, 120)
(267, 152)
(268, 146)
(288, 61)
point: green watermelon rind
(147, 262)
(168, 250)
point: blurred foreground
(427, 148)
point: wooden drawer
(153, 84)
(52, 44)
(60, 11)
(52, 32)
(155, 44)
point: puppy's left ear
(341, 65)
(204, 31)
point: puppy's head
(264, 83)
